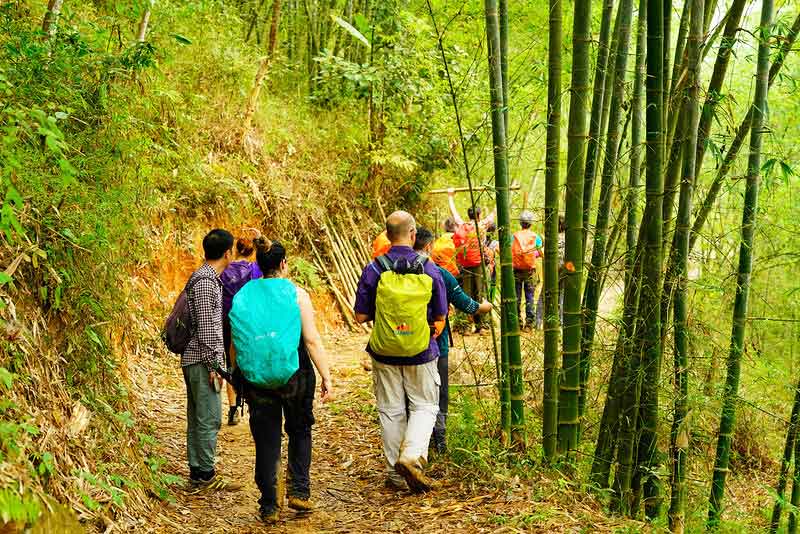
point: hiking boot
(300, 504)
(439, 441)
(217, 483)
(233, 416)
(270, 517)
(411, 470)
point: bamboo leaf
(351, 30)
(181, 39)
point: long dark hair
(269, 255)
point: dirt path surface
(347, 469)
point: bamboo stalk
(349, 284)
(361, 246)
(749, 215)
(513, 187)
(347, 261)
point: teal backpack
(266, 329)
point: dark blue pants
(527, 281)
(295, 403)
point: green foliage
(16, 508)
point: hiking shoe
(411, 470)
(217, 483)
(270, 517)
(300, 504)
(233, 416)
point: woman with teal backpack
(275, 343)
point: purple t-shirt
(437, 307)
(233, 278)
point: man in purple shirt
(401, 379)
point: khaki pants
(406, 435)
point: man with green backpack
(404, 294)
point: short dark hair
(269, 255)
(424, 238)
(450, 225)
(524, 225)
(216, 243)
(473, 212)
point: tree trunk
(786, 461)
(595, 122)
(730, 394)
(649, 305)
(552, 322)
(144, 22)
(573, 258)
(263, 66)
(51, 17)
(591, 296)
(679, 435)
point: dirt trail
(347, 469)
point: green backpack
(401, 308)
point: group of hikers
(241, 320)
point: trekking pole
(468, 176)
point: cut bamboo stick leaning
(513, 187)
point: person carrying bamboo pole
(424, 244)
(525, 248)
(404, 294)
(466, 239)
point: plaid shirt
(205, 305)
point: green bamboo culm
(591, 295)
(607, 435)
(504, 392)
(509, 323)
(599, 96)
(569, 385)
(730, 394)
(648, 457)
(679, 435)
(795, 498)
(552, 322)
(786, 462)
(741, 133)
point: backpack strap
(384, 263)
(419, 263)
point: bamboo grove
(660, 115)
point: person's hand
(451, 192)
(485, 307)
(214, 380)
(326, 390)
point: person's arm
(451, 201)
(485, 222)
(313, 343)
(462, 301)
(364, 307)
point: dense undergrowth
(113, 154)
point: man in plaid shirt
(205, 354)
